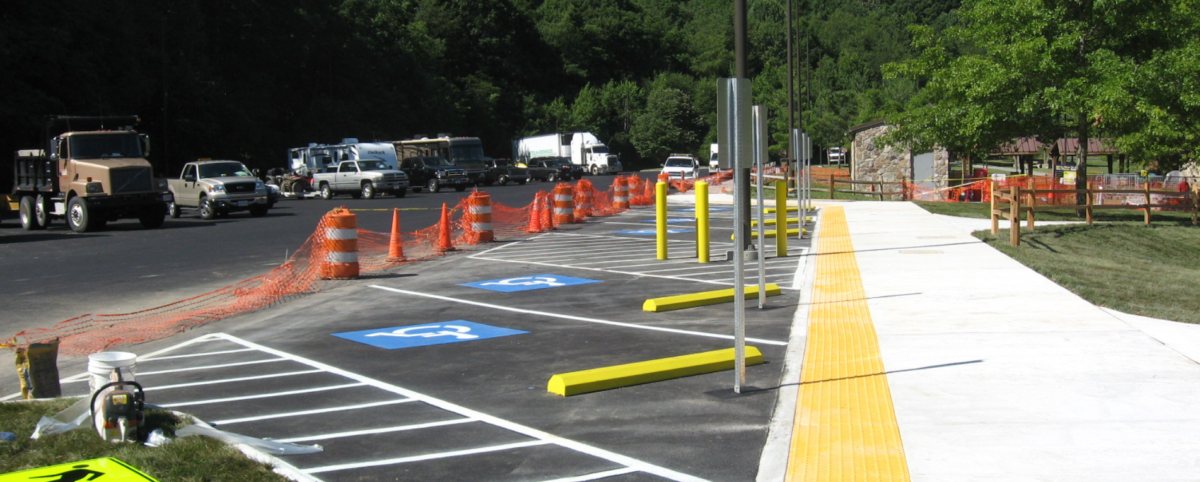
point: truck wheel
(368, 190)
(326, 192)
(173, 210)
(434, 186)
(552, 177)
(259, 210)
(207, 211)
(152, 217)
(40, 213)
(595, 170)
(28, 216)
(502, 180)
(79, 217)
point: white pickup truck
(362, 179)
(218, 188)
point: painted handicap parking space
(526, 283)
(369, 429)
(651, 232)
(428, 334)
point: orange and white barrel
(583, 200)
(620, 194)
(479, 217)
(564, 204)
(340, 245)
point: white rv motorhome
(583, 148)
(323, 157)
(714, 162)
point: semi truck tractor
(582, 148)
(89, 177)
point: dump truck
(89, 177)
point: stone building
(872, 160)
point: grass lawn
(1120, 264)
(186, 459)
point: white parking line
(373, 431)
(543, 437)
(579, 318)
(418, 458)
(148, 358)
(630, 273)
(595, 476)
(263, 395)
(230, 380)
(210, 367)
(312, 412)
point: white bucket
(111, 366)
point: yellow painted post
(702, 220)
(781, 218)
(660, 211)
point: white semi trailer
(583, 148)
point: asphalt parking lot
(438, 370)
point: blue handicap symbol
(651, 232)
(526, 283)
(427, 334)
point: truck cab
(89, 178)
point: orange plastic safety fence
(685, 185)
(301, 274)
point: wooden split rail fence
(1014, 201)
(876, 188)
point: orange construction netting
(302, 273)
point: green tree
(669, 124)
(1048, 68)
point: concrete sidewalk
(997, 373)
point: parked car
(434, 173)
(505, 170)
(553, 169)
(361, 179)
(682, 166)
(217, 188)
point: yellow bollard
(780, 217)
(702, 220)
(660, 211)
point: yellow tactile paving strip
(845, 428)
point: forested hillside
(247, 79)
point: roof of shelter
(862, 127)
(1067, 145)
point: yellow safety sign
(100, 470)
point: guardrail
(1014, 202)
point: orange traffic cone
(535, 215)
(547, 212)
(444, 244)
(396, 244)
